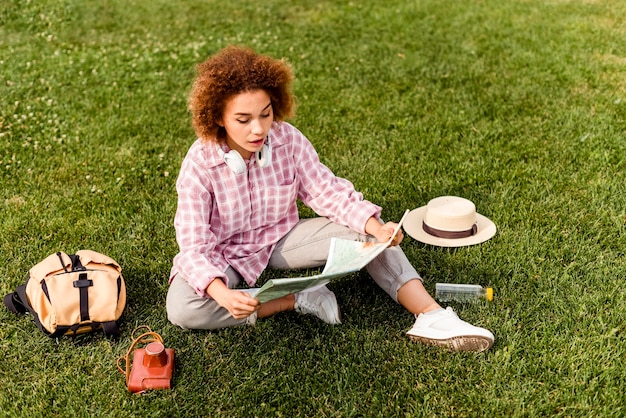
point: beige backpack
(72, 294)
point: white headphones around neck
(235, 161)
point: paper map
(344, 257)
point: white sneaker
(445, 329)
(320, 302)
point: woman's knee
(178, 315)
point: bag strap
(83, 284)
(144, 338)
(14, 302)
(60, 255)
(110, 329)
(17, 302)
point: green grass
(519, 106)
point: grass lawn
(519, 106)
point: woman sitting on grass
(237, 212)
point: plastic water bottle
(448, 292)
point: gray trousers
(305, 246)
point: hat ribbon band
(450, 234)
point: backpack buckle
(82, 281)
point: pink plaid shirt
(232, 219)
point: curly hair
(232, 71)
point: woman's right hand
(239, 304)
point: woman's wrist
(216, 288)
(372, 226)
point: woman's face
(247, 119)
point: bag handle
(146, 337)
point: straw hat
(449, 221)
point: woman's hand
(384, 232)
(239, 304)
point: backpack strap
(17, 302)
(14, 301)
(83, 284)
(110, 329)
(60, 255)
(59, 332)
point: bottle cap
(490, 294)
